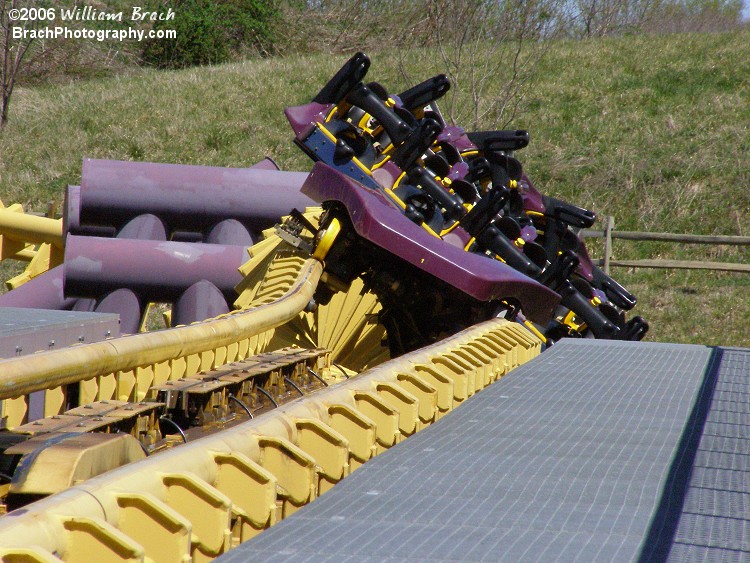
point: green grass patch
(650, 129)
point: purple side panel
(201, 301)
(266, 164)
(532, 199)
(155, 270)
(125, 303)
(387, 174)
(458, 238)
(585, 266)
(303, 118)
(456, 136)
(377, 220)
(192, 198)
(43, 292)
(36, 406)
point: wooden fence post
(608, 233)
(609, 225)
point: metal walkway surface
(24, 331)
(594, 451)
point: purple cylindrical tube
(191, 198)
(201, 301)
(155, 270)
(144, 227)
(125, 303)
(72, 217)
(229, 231)
(42, 292)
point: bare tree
(596, 18)
(13, 52)
(489, 50)
(603, 17)
(677, 16)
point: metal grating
(565, 459)
(714, 523)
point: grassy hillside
(652, 130)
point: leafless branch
(13, 56)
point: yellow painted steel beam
(29, 238)
(42, 259)
(203, 343)
(200, 499)
(31, 228)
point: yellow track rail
(125, 368)
(198, 500)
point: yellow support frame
(126, 367)
(200, 499)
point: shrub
(210, 32)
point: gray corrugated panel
(25, 331)
(564, 459)
(714, 523)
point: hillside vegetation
(654, 130)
